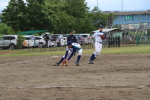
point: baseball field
(117, 74)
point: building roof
(128, 12)
(112, 30)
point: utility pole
(97, 5)
(122, 5)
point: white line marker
(72, 86)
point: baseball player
(72, 38)
(98, 43)
(71, 49)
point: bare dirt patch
(112, 77)
(6, 52)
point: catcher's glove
(65, 62)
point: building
(134, 19)
(113, 32)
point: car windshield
(80, 36)
(28, 38)
(38, 38)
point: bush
(5, 30)
(20, 40)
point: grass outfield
(121, 50)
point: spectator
(47, 39)
(71, 37)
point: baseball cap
(101, 26)
(71, 31)
(69, 42)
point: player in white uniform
(98, 44)
(70, 51)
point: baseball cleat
(77, 64)
(56, 64)
(90, 62)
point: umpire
(72, 37)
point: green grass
(124, 50)
(121, 50)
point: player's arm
(93, 36)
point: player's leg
(93, 55)
(69, 52)
(57, 64)
(98, 48)
(79, 56)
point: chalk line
(73, 86)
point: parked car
(8, 41)
(80, 39)
(63, 41)
(40, 41)
(55, 39)
(29, 41)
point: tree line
(56, 16)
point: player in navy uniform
(71, 49)
(71, 37)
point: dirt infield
(112, 77)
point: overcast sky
(107, 5)
(119, 5)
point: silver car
(8, 41)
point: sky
(107, 5)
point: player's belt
(99, 42)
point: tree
(86, 25)
(5, 30)
(57, 16)
(110, 19)
(79, 10)
(37, 15)
(13, 15)
(61, 20)
(98, 18)
(9, 14)
(21, 16)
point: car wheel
(11, 46)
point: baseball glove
(102, 37)
(65, 62)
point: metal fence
(111, 42)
